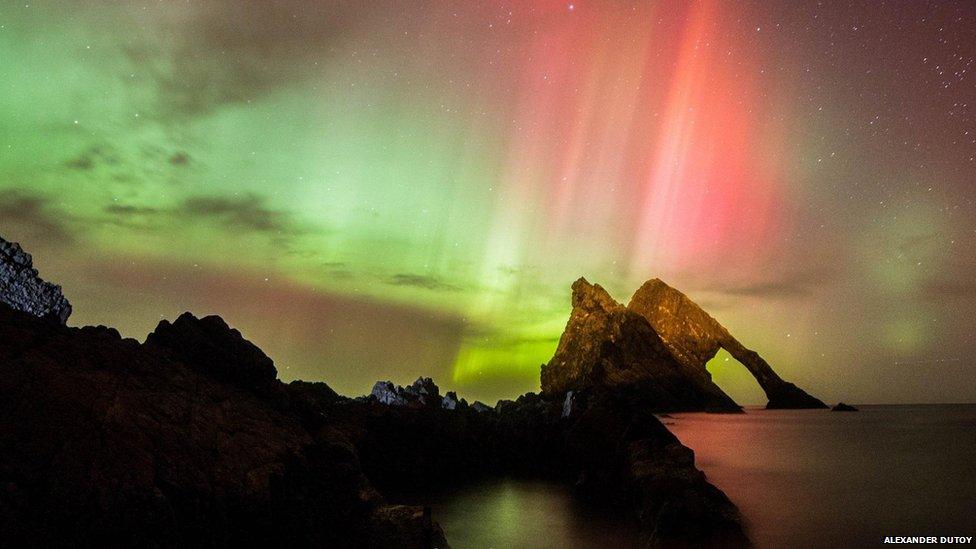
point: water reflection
(527, 514)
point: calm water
(523, 514)
(801, 478)
(814, 478)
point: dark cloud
(82, 163)
(91, 157)
(421, 281)
(249, 212)
(236, 213)
(127, 209)
(32, 216)
(789, 285)
(226, 52)
(179, 159)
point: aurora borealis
(373, 190)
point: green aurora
(369, 191)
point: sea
(801, 478)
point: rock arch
(660, 343)
(694, 337)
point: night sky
(379, 190)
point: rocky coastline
(189, 438)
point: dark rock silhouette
(189, 439)
(480, 407)
(841, 407)
(660, 341)
(22, 289)
(210, 346)
(610, 447)
(451, 402)
(104, 441)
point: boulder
(22, 289)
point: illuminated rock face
(607, 345)
(23, 290)
(693, 337)
(661, 341)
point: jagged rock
(841, 407)
(450, 401)
(618, 450)
(694, 337)
(426, 390)
(481, 407)
(388, 393)
(423, 392)
(606, 344)
(662, 341)
(210, 346)
(22, 289)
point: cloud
(236, 51)
(788, 285)
(248, 212)
(421, 281)
(82, 163)
(31, 215)
(179, 158)
(91, 158)
(127, 209)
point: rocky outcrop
(104, 441)
(212, 347)
(610, 448)
(420, 393)
(450, 401)
(841, 407)
(22, 289)
(606, 345)
(480, 407)
(661, 341)
(694, 337)
(190, 440)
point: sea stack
(661, 340)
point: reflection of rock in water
(530, 514)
